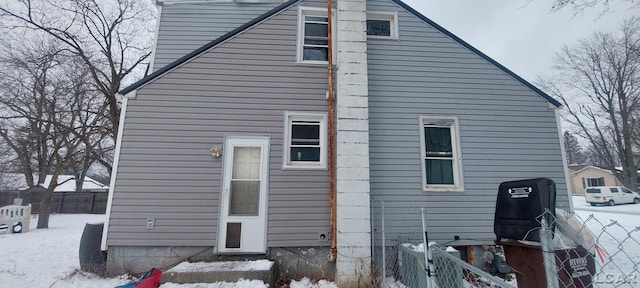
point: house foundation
(295, 263)
(291, 262)
(139, 259)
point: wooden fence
(62, 203)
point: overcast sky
(522, 36)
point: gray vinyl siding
(507, 131)
(185, 27)
(166, 171)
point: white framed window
(382, 25)
(305, 140)
(440, 150)
(313, 39)
(593, 182)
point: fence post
(427, 251)
(59, 202)
(384, 247)
(548, 251)
(373, 231)
(93, 199)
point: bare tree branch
(598, 81)
(111, 37)
(579, 6)
(52, 116)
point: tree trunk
(45, 209)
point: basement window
(382, 25)
(440, 146)
(305, 143)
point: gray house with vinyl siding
(224, 147)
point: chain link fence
(573, 251)
(589, 252)
(452, 272)
(399, 238)
(396, 265)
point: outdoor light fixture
(215, 152)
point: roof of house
(179, 62)
(576, 167)
(66, 183)
(591, 167)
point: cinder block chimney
(353, 268)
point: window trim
(313, 11)
(588, 181)
(289, 117)
(458, 178)
(385, 15)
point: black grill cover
(518, 206)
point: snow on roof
(619, 168)
(66, 183)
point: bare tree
(579, 6)
(574, 152)
(6, 167)
(112, 39)
(43, 99)
(598, 82)
(594, 158)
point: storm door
(243, 220)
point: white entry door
(243, 213)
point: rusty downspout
(332, 185)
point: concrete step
(229, 271)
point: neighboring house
(422, 119)
(590, 176)
(91, 199)
(66, 183)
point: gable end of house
(186, 58)
(175, 64)
(446, 32)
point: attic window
(382, 25)
(313, 39)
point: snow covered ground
(49, 257)
(617, 231)
(579, 203)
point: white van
(611, 195)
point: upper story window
(383, 25)
(313, 40)
(313, 27)
(441, 162)
(305, 144)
